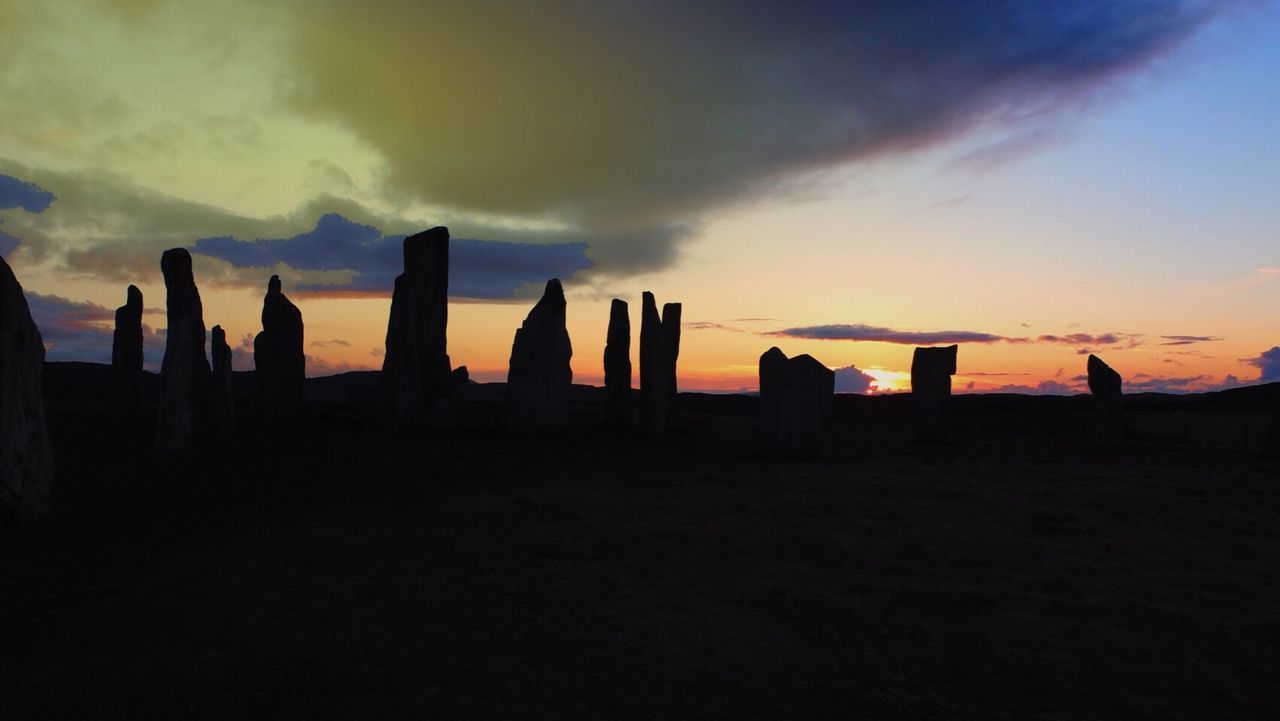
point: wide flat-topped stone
(795, 400)
(931, 371)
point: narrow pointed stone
(278, 355)
(1108, 419)
(221, 396)
(795, 400)
(416, 373)
(617, 364)
(659, 350)
(26, 456)
(931, 371)
(126, 355)
(539, 378)
(184, 373)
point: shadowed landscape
(339, 571)
(416, 359)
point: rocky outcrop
(795, 400)
(221, 396)
(617, 364)
(415, 370)
(26, 457)
(126, 355)
(278, 357)
(659, 351)
(1108, 420)
(931, 371)
(184, 373)
(539, 378)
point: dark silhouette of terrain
(329, 568)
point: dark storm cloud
(630, 115)
(15, 193)
(481, 269)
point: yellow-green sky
(1058, 179)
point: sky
(1035, 181)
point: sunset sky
(1036, 181)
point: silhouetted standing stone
(659, 351)
(539, 378)
(184, 373)
(1108, 421)
(277, 354)
(795, 399)
(415, 369)
(931, 371)
(460, 378)
(26, 457)
(126, 355)
(221, 396)
(617, 363)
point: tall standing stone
(26, 456)
(659, 351)
(1108, 420)
(931, 371)
(539, 379)
(617, 363)
(415, 369)
(184, 373)
(795, 400)
(126, 355)
(221, 395)
(278, 354)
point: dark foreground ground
(338, 571)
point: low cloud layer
(862, 332)
(479, 269)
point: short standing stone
(277, 354)
(931, 371)
(184, 373)
(659, 351)
(416, 374)
(540, 378)
(1106, 386)
(795, 399)
(126, 355)
(26, 456)
(221, 395)
(617, 363)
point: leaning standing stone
(26, 456)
